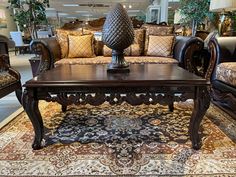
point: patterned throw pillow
(81, 46)
(62, 38)
(160, 46)
(156, 30)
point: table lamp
(224, 7)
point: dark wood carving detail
(96, 25)
(189, 59)
(96, 99)
(212, 61)
(45, 61)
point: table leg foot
(63, 108)
(196, 146)
(36, 145)
(171, 107)
(201, 104)
(31, 108)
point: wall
(11, 26)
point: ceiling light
(81, 11)
(87, 15)
(62, 14)
(124, 6)
(70, 5)
(130, 6)
(133, 10)
(71, 17)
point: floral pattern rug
(120, 140)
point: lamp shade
(222, 5)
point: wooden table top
(96, 75)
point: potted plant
(194, 11)
(29, 13)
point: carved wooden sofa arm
(185, 49)
(10, 79)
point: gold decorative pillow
(62, 38)
(81, 46)
(160, 46)
(156, 30)
(107, 51)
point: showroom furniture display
(223, 75)
(10, 79)
(52, 50)
(92, 84)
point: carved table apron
(145, 84)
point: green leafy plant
(194, 11)
(29, 13)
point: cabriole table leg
(30, 105)
(201, 104)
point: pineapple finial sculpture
(118, 34)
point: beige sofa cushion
(106, 60)
(81, 46)
(62, 38)
(226, 72)
(160, 45)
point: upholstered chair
(10, 79)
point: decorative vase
(118, 34)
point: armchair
(223, 77)
(10, 79)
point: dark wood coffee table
(145, 84)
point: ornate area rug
(120, 140)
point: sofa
(180, 51)
(10, 79)
(222, 72)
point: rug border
(166, 175)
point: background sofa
(223, 77)
(181, 52)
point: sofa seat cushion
(6, 79)
(106, 60)
(226, 72)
